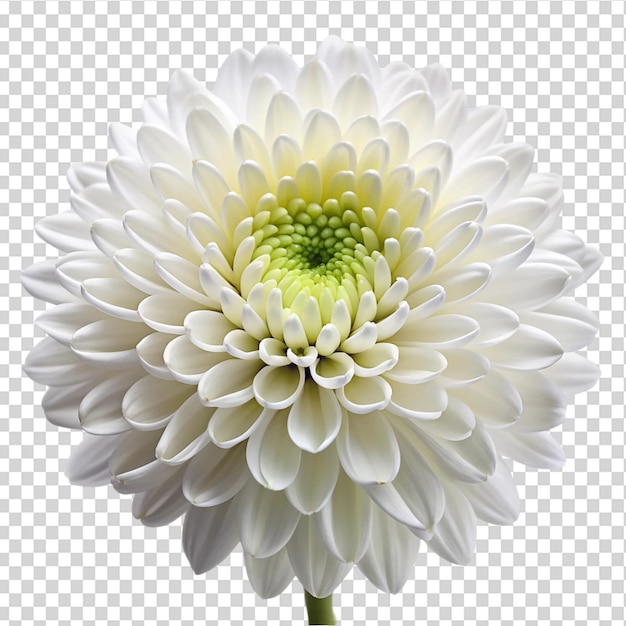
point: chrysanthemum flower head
(311, 309)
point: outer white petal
(454, 535)
(573, 373)
(40, 280)
(390, 558)
(317, 570)
(278, 387)
(368, 448)
(65, 231)
(529, 348)
(62, 321)
(496, 500)
(215, 475)
(272, 457)
(81, 175)
(363, 395)
(344, 523)
(210, 535)
(315, 418)
(150, 402)
(269, 577)
(188, 363)
(265, 519)
(133, 465)
(60, 404)
(315, 481)
(186, 433)
(88, 464)
(161, 505)
(229, 426)
(532, 449)
(100, 411)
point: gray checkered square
(70, 555)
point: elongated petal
(269, 577)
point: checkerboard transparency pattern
(70, 555)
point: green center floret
(317, 244)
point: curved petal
(317, 570)
(210, 535)
(278, 387)
(390, 558)
(368, 448)
(269, 577)
(88, 464)
(315, 482)
(315, 418)
(215, 475)
(344, 524)
(231, 425)
(161, 505)
(363, 395)
(265, 519)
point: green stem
(320, 610)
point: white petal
(464, 368)
(188, 363)
(354, 98)
(186, 433)
(133, 466)
(485, 177)
(215, 475)
(161, 505)
(455, 423)
(317, 570)
(228, 383)
(109, 343)
(345, 59)
(485, 127)
(528, 287)
(207, 329)
(424, 401)
(109, 236)
(368, 449)
(439, 332)
(390, 558)
(543, 402)
(113, 296)
(167, 312)
(363, 395)
(344, 524)
(529, 348)
(100, 411)
(88, 464)
(454, 535)
(137, 269)
(60, 404)
(283, 118)
(269, 577)
(130, 179)
(532, 449)
(362, 339)
(157, 145)
(315, 481)
(40, 280)
(62, 321)
(265, 519)
(315, 418)
(497, 323)
(494, 400)
(322, 131)
(573, 373)
(569, 322)
(123, 139)
(150, 353)
(278, 387)
(98, 202)
(82, 175)
(272, 457)
(462, 283)
(333, 371)
(150, 402)
(496, 500)
(210, 535)
(275, 61)
(415, 498)
(313, 86)
(417, 112)
(416, 365)
(172, 185)
(65, 231)
(229, 426)
(183, 276)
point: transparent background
(70, 555)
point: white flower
(311, 310)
